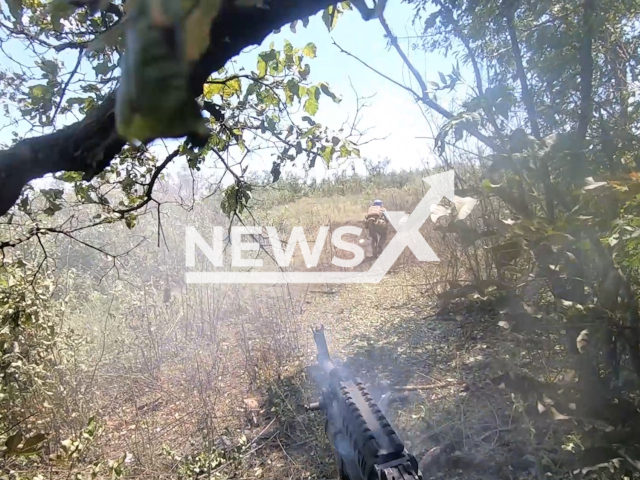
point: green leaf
(103, 68)
(50, 68)
(59, 10)
(330, 17)
(92, 426)
(269, 56)
(38, 91)
(310, 50)
(70, 177)
(293, 87)
(304, 73)
(234, 87)
(229, 203)
(325, 89)
(288, 48)
(130, 221)
(110, 38)
(263, 61)
(271, 125)
(226, 88)
(431, 20)
(313, 92)
(262, 67)
(443, 79)
(327, 153)
(73, 101)
(311, 106)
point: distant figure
(376, 224)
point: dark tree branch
(423, 96)
(89, 145)
(149, 190)
(66, 85)
(464, 39)
(585, 59)
(529, 104)
(527, 97)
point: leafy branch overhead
(100, 33)
(238, 112)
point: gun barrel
(324, 359)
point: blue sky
(392, 112)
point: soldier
(376, 225)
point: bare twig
(148, 194)
(423, 96)
(66, 85)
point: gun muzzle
(324, 359)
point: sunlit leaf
(310, 50)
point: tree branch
(424, 96)
(464, 39)
(529, 104)
(585, 59)
(527, 98)
(66, 85)
(89, 145)
(149, 190)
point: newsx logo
(237, 244)
(407, 236)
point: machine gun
(365, 444)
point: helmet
(377, 203)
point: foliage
(210, 464)
(243, 111)
(552, 114)
(29, 341)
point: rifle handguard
(366, 444)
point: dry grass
(177, 385)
